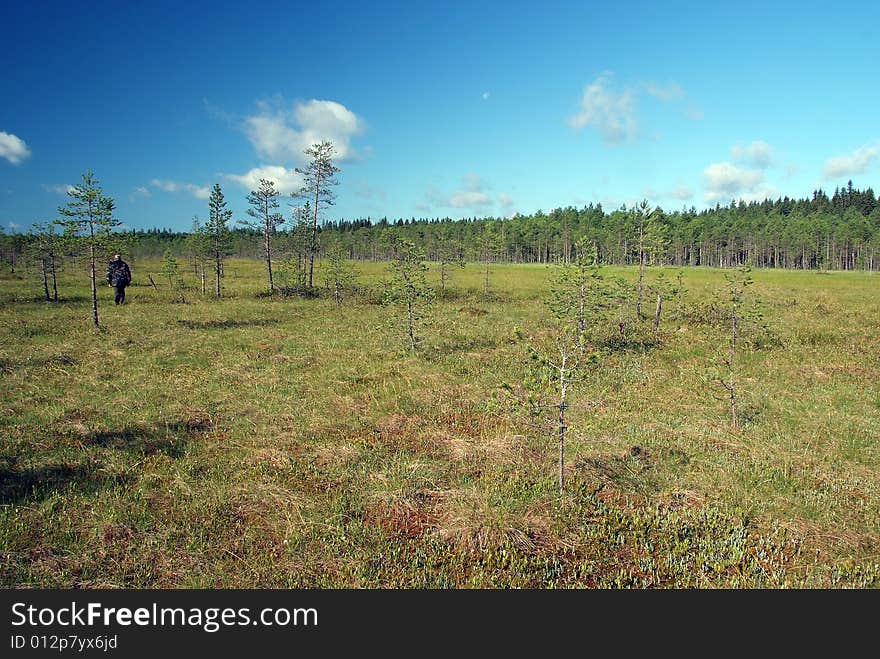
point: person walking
(118, 276)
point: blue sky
(456, 109)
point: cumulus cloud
(281, 134)
(758, 154)
(197, 191)
(13, 148)
(851, 163)
(725, 181)
(285, 180)
(471, 195)
(57, 188)
(610, 111)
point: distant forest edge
(841, 232)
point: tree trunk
(93, 280)
(269, 256)
(43, 271)
(217, 273)
(732, 388)
(410, 320)
(54, 279)
(657, 312)
(314, 244)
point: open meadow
(272, 442)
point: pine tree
(217, 233)
(171, 271)
(579, 293)
(340, 275)
(319, 177)
(741, 311)
(89, 216)
(47, 247)
(264, 202)
(407, 288)
(449, 253)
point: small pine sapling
(741, 311)
(339, 275)
(407, 288)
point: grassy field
(257, 442)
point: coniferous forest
(837, 232)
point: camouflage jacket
(118, 273)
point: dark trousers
(120, 294)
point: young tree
(580, 294)
(641, 215)
(89, 215)
(196, 244)
(296, 266)
(490, 248)
(217, 233)
(449, 253)
(319, 177)
(739, 309)
(340, 274)
(408, 287)
(171, 270)
(46, 247)
(264, 201)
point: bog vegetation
(439, 416)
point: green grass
(257, 442)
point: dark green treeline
(840, 232)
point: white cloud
(286, 180)
(757, 154)
(852, 163)
(667, 93)
(13, 148)
(472, 195)
(282, 134)
(57, 188)
(468, 199)
(725, 181)
(681, 192)
(14, 226)
(141, 192)
(608, 110)
(197, 191)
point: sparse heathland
(257, 441)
